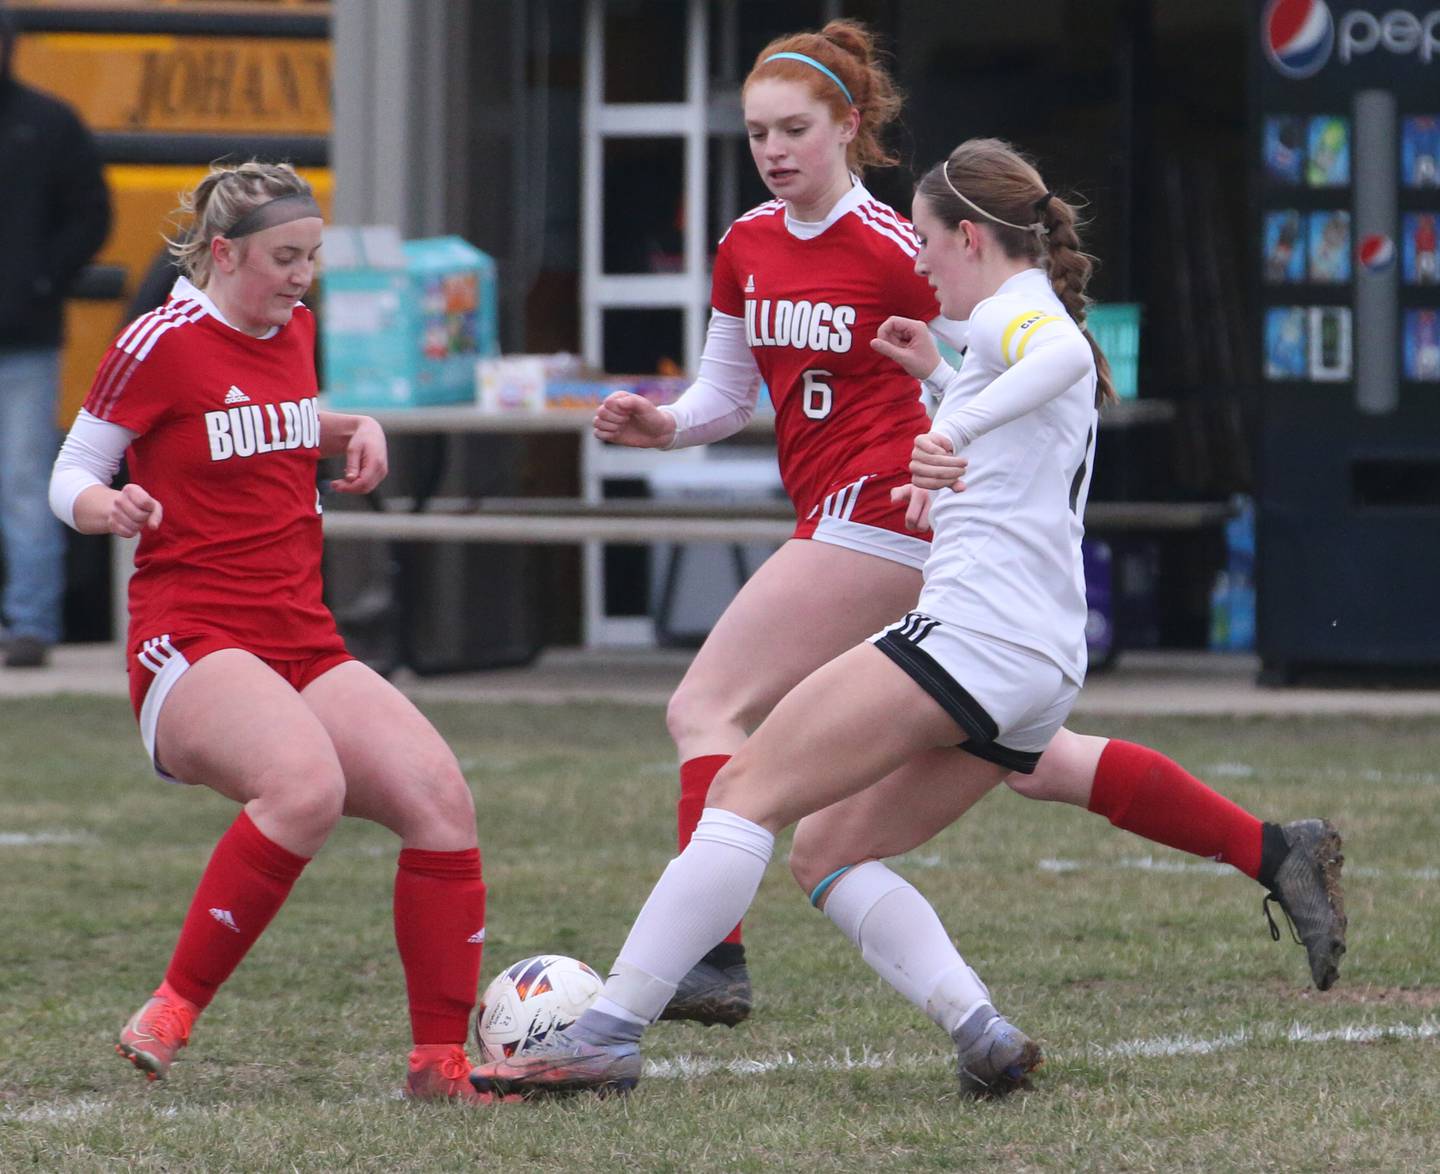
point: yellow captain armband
(1022, 328)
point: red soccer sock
(247, 880)
(1142, 791)
(696, 775)
(440, 931)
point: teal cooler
(404, 327)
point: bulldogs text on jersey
(804, 325)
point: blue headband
(810, 61)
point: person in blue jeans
(57, 215)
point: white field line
(1333, 774)
(1211, 868)
(30, 839)
(1165, 1046)
(1296, 1033)
(690, 1067)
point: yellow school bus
(167, 87)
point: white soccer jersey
(1005, 559)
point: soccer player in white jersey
(801, 285)
(971, 685)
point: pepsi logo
(1297, 36)
(1376, 252)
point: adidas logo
(236, 396)
(224, 917)
(750, 284)
(477, 937)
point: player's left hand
(908, 342)
(935, 465)
(917, 506)
(367, 459)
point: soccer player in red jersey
(238, 676)
(801, 286)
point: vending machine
(1346, 173)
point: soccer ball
(529, 1000)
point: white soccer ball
(531, 999)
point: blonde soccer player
(238, 676)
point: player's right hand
(917, 506)
(133, 510)
(629, 419)
(934, 465)
(908, 342)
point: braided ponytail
(1070, 268)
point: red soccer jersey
(811, 308)
(228, 442)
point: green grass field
(1177, 1035)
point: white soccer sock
(904, 942)
(697, 901)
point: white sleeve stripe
(118, 369)
(121, 383)
(156, 335)
(769, 208)
(142, 326)
(182, 317)
(888, 214)
(160, 321)
(119, 377)
(139, 324)
(908, 249)
(103, 375)
(119, 364)
(126, 344)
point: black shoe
(26, 652)
(1307, 888)
(717, 990)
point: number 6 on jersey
(818, 395)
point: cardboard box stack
(403, 322)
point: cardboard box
(519, 383)
(403, 323)
(532, 383)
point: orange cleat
(156, 1032)
(441, 1072)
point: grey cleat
(560, 1063)
(1308, 891)
(717, 989)
(998, 1061)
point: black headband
(280, 210)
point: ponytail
(1070, 269)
